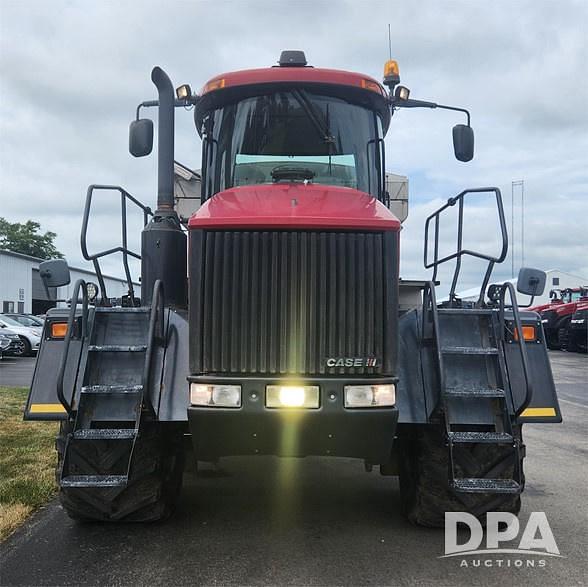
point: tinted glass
(292, 136)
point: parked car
(10, 343)
(26, 320)
(4, 344)
(31, 337)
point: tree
(26, 239)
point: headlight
(370, 396)
(212, 396)
(292, 396)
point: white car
(31, 337)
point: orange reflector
(368, 84)
(528, 333)
(58, 329)
(215, 84)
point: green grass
(27, 461)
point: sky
(73, 72)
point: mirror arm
(398, 103)
(146, 104)
(177, 104)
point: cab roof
(237, 85)
(293, 75)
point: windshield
(28, 321)
(292, 136)
(9, 321)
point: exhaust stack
(163, 244)
(165, 140)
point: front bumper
(330, 430)
(16, 348)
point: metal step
(117, 348)
(481, 437)
(475, 485)
(117, 310)
(112, 388)
(105, 434)
(469, 350)
(94, 481)
(464, 312)
(473, 393)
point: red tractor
(294, 334)
(556, 316)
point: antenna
(389, 42)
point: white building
(556, 279)
(21, 288)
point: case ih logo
(352, 362)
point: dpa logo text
(536, 539)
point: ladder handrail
(124, 196)
(80, 284)
(508, 286)
(460, 252)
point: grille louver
(278, 303)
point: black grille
(280, 303)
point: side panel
(544, 406)
(42, 403)
(172, 403)
(410, 391)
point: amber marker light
(58, 329)
(215, 84)
(529, 333)
(391, 69)
(368, 84)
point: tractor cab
(293, 124)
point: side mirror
(54, 273)
(531, 282)
(463, 142)
(141, 137)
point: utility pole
(519, 183)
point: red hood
(294, 206)
(559, 308)
(544, 307)
(565, 309)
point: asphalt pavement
(17, 371)
(313, 521)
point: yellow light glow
(292, 397)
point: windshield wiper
(316, 116)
